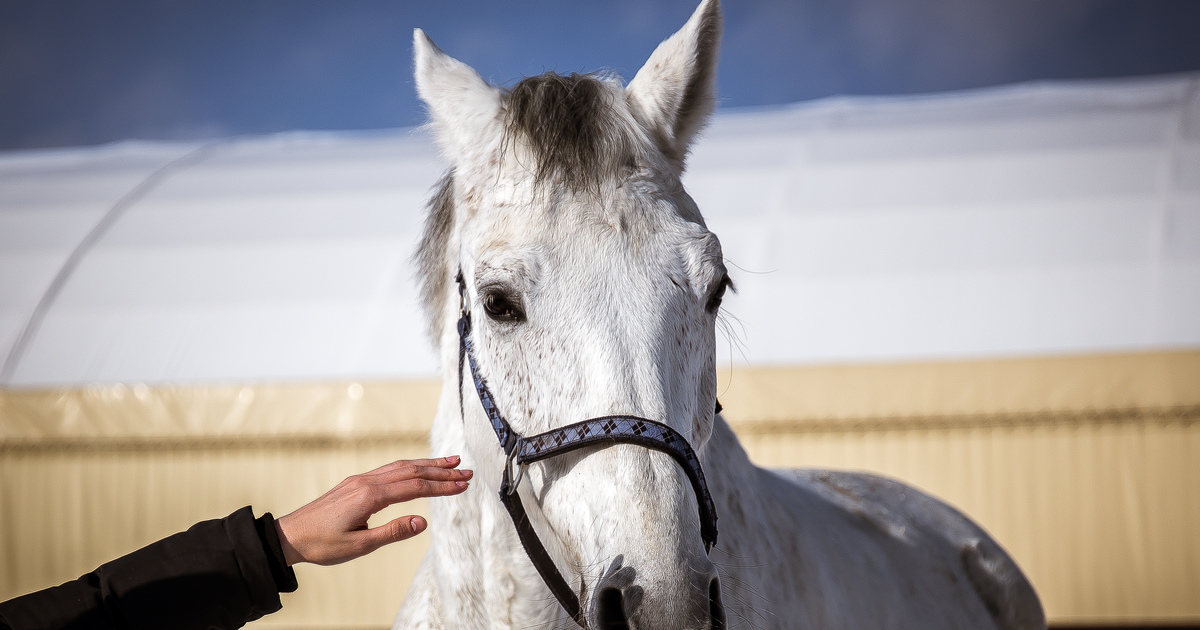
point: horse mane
(432, 273)
(570, 124)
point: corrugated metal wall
(1085, 468)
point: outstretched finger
(441, 462)
(430, 473)
(409, 489)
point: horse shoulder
(898, 511)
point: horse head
(593, 287)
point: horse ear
(674, 94)
(465, 110)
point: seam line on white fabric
(34, 322)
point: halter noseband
(520, 450)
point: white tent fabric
(1029, 220)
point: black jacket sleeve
(219, 574)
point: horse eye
(502, 308)
(714, 300)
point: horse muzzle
(621, 606)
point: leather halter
(520, 450)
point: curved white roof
(1034, 219)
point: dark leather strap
(628, 430)
(504, 432)
(537, 552)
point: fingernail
(467, 472)
(418, 524)
(453, 459)
(461, 484)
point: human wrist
(283, 527)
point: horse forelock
(572, 126)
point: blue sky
(79, 72)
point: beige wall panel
(1084, 468)
(1006, 387)
(1098, 516)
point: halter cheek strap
(520, 451)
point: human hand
(333, 529)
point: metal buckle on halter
(513, 460)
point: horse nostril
(715, 609)
(611, 613)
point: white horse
(594, 287)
